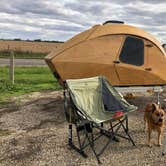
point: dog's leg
(145, 124)
(159, 137)
(149, 136)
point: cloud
(62, 19)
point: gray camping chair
(91, 102)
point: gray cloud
(126, 1)
(62, 19)
(92, 9)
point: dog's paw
(159, 144)
(150, 145)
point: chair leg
(70, 134)
(124, 124)
(102, 125)
(92, 146)
(79, 140)
(92, 138)
(127, 133)
(114, 138)
(78, 150)
(127, 127)
(70, 142)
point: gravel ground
(33, 131)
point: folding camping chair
(88, 104)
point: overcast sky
(62, 19)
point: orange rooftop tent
(126, 55)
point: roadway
(23, 62)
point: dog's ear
(154, 107)
(163, 107)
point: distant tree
(56, 41)
(37, 40)
(52, 41)
(164, 45)
(17, 39)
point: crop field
(28, 46)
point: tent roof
(103, 30)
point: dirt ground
(33, 131)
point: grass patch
(22, 55)
(27, 79)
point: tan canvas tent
(126, 55)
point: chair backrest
(96, 98)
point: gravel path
(33, 131)
(23, 62)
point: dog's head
(158, 114)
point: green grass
(22, 55)
(27, 79)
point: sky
(62, 19)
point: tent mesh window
(132, 51)
(110, 102)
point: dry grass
(24, 46)
(39, 135)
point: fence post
(11, 67)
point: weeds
(27, 79)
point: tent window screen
(132, 51)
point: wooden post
(11, 67)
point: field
(27, 79)
(27, 46)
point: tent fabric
(97, 99)
(125, 55)
(103, 30)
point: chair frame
(82, 124)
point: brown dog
(154, 120)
